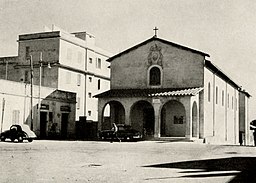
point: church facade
(166, 90)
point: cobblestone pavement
(129, 162)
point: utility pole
(31, 112)
(2, 121)
(40, 83)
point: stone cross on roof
(155, 29)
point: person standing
(115, 134)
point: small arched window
(98, 84)
(228, 101)
(222, 97)
(209, 92)
(155, 76)
(216, 94)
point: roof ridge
(161, 40)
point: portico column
(100, 112)
(188, 110)
(156, 105)
(127, 115)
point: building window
(178, 120)
(228, 100)
(232, 102)
(154, 76)
(90, 95)
(78, 103)
(89, 113)
(50, 117)
(222, 98)
(216, 94)
(236, 104)
(90, 79)
(27, 51)
(15, 117)
(98, 63)
(68, 78)
(209, 92)
(26, 78)
(90, 60)
(78, 80)
(98, 84)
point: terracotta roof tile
(162, 92)
(189, 91)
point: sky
(224, 29)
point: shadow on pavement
(243, 168)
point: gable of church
(157, 64)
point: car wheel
(30, 140)
(3, 138)
(12, 139)
(20, 139)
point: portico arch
(113, 112)
(173, 119)
(142, 117)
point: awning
(158, 92)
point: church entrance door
(143, 118)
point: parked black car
(124, 132)
(19, 132)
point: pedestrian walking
(115, 133)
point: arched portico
(165, 114)
(142, 117)
(113, 112)
(173, 119)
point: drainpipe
(85, 80)
(31, 100)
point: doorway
(43, 124)
(64, 125)
(143, 118)
(173, 119)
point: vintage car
(18, 132)
(124, 132)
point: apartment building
(69, 62)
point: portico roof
(156, 92)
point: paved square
(146, 161)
